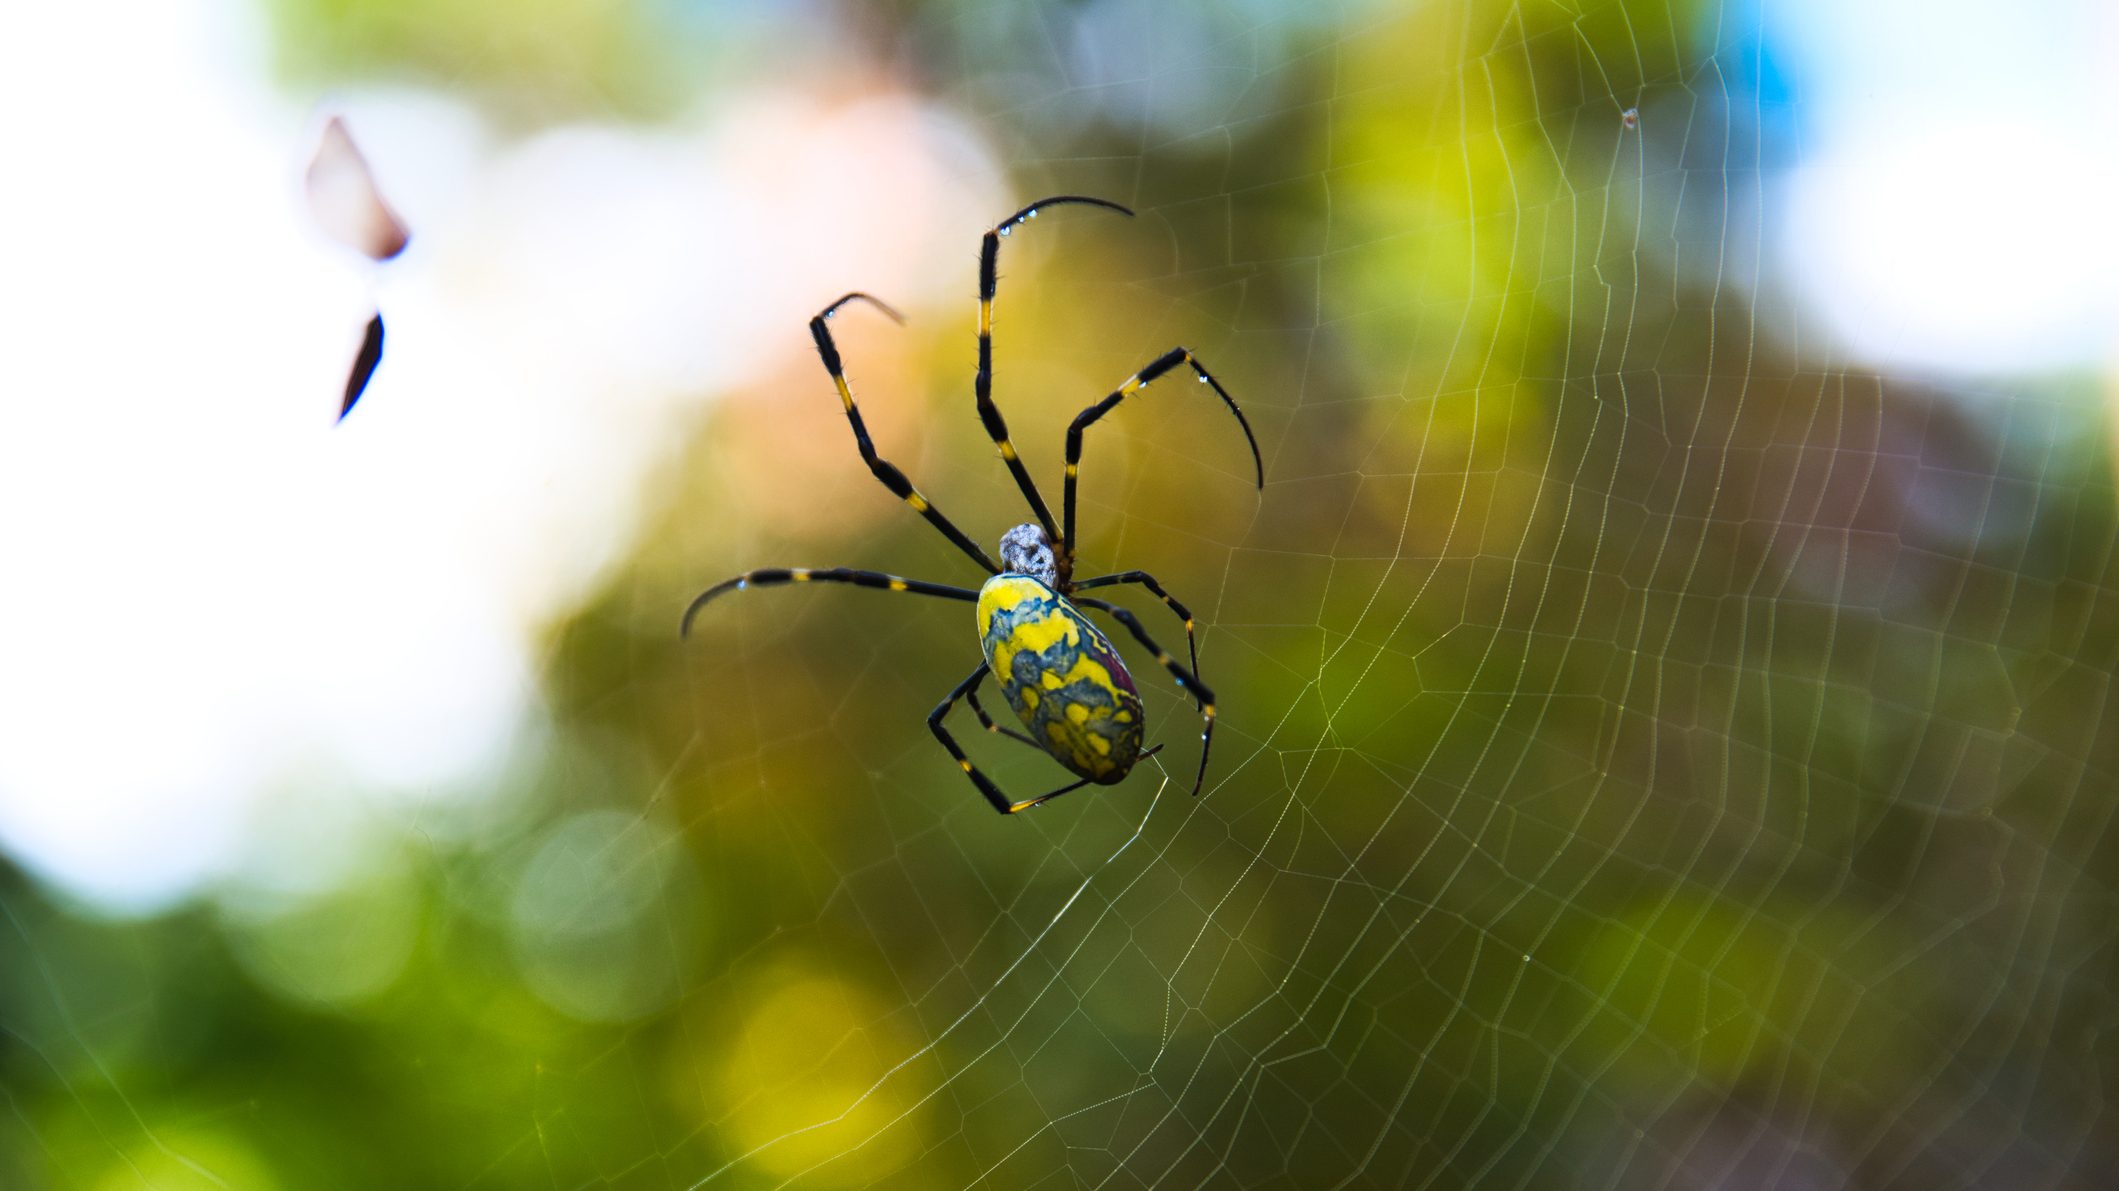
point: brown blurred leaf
(344, 201)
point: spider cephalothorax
(1025, 550)
(1058, 671)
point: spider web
(1657, 747)
(1655, 752)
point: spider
(1056, 669)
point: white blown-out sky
(216, 597)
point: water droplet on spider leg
(1033, 215)
(1202, 378)
(1009, 228)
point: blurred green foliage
(533, 63)
(1625, 771)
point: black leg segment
(883, 469)
(1146, 580)
(972, 697)
(982, 384)
(991, 792)
(775, 576)
(966, 690)
(1201, 696)
(1139, 380)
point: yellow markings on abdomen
(1062, 677)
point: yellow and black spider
(1056, 669)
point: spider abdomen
(1062, 676)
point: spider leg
(1139, 380)
(1186, 679)
(985, 784)
(964, 690)
(774, 576)
(972, 698)
(1148, 581)
(882, 468)
(989, 281)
